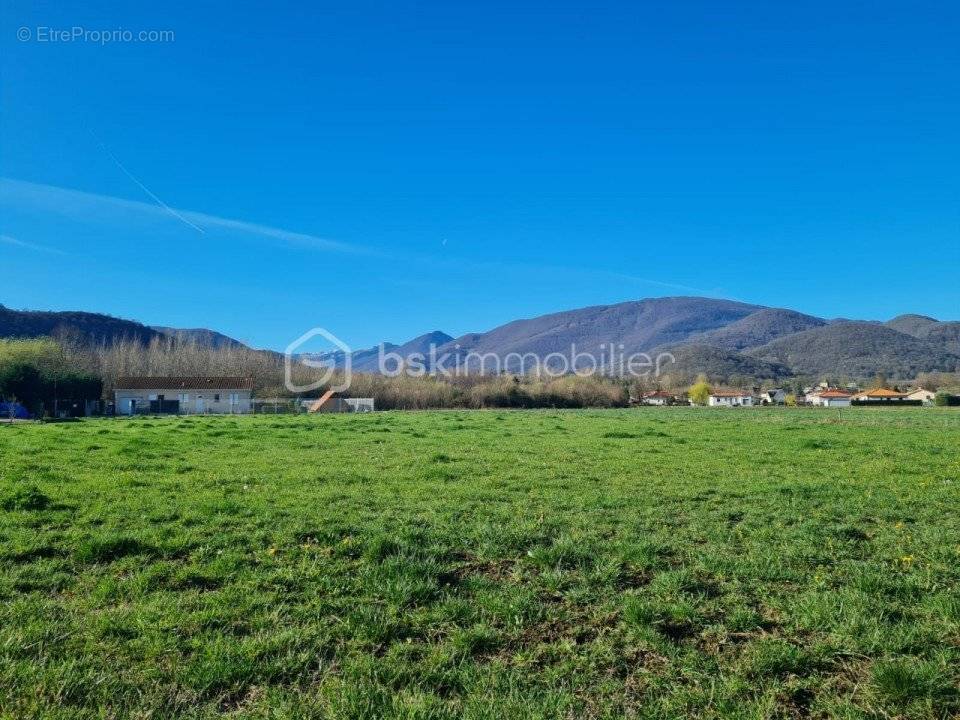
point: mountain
(96, 328)
(721, 338)
(857, 350)
(369, 360)
(638, 326)
(84, 327)
(200, 336)
(944, 333)
(759, 328)
(719, 364)
(728, 338)
(915, 325)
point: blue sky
(385, 169)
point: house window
(234, 398)
(216, 397)
(184, 397)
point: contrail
(78, 204)
(8, 240)
(143, 187)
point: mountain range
(722, 338)
(201, 336)
(85, 327)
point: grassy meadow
(656, 563)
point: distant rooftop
(882, 393)
(184, 383)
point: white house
(730, 398)
(830, 398)
(777, 396)
(184, 395)
(657, 397)
(880, 396)
(924, 396)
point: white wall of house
(925, 396)
(833, 402)
(722, 401)
(226, 402)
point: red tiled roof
(882, 393)
(184, 383)
(832, 394)
(729, 393)
(658, 394)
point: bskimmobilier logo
(307, 369)
(334, 368)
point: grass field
(655, 563)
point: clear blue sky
(384, 169)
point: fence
(275, 406)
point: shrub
(36, 385)
(699, 392)
(21, 381)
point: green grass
(657, 563)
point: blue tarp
(19, 411)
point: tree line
(40, 373)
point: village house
(927, 397)
(656, 397)
(182, 395)
(730, 398)
(830, 398)
(777, 396)
(880, 396)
